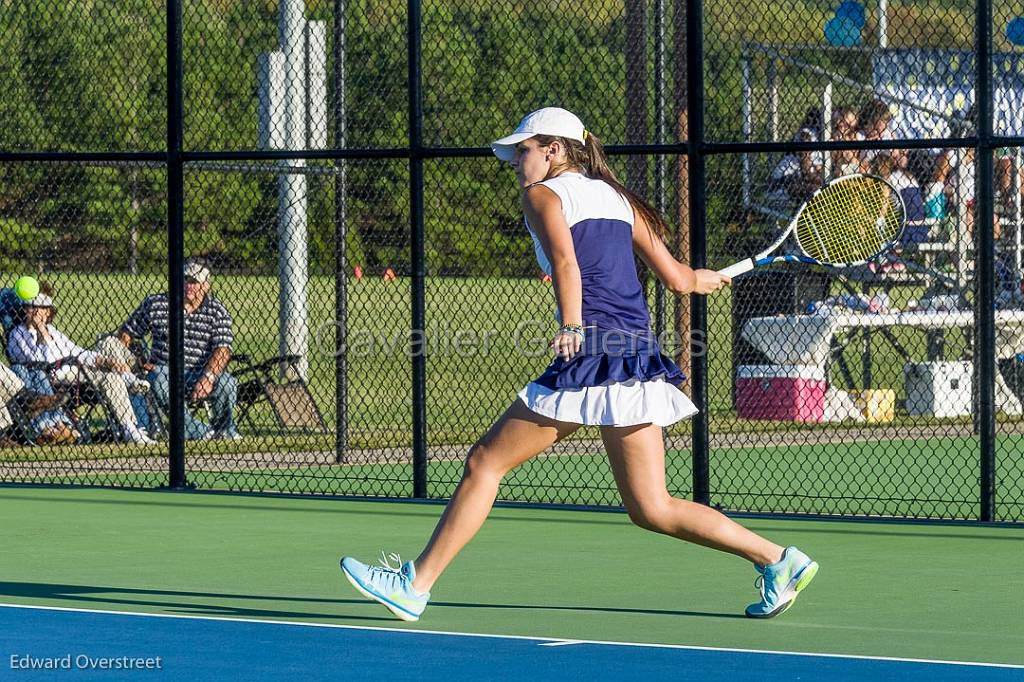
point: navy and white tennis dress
(620, 377)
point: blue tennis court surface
(191, 648)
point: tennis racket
(849, 221)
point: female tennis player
(608, 372)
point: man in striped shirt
(208, 340)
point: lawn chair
(290, 401)
(17, 426)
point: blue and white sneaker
(781, 582)
(390, 585)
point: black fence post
(985, 324)
(340, 239)
(418, 345)
(698, 247)
(176, 247)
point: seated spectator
(916, 229)
(1007, 198)
(962, 174)
(1008, 283)
(208, 339)
(844, 128)
(964, 185)
(874, 122)
(32, 406)
(1007, 205)
(965, 193)
(38, 340)
(799, 174)
(931, 171)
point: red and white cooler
(781, 392)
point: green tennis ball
(26, 287)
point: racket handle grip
(737, 269)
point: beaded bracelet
(572, 329)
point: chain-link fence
(276, 254)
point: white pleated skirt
(627, 403)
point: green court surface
(944, 592)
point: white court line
(548, 641)
(564, 642)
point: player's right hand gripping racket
(849, 221)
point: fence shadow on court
(210, 602)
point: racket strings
(850, 220)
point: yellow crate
(878, 405)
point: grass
(480, 353)
(486, 338)
(477, 316)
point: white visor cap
(553, 121)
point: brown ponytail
(589, 158)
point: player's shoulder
(539, 195)
(577, 186)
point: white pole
(270, 94)
(292, 37)
(826, 132)
(316, 72)
(291, 215)
(883, 23)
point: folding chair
(17, 429)
(156, 417)
(83, 401)
(290, 401)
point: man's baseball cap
(197, 271)
(553, 121)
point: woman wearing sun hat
(38, 340)
(608, 371)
